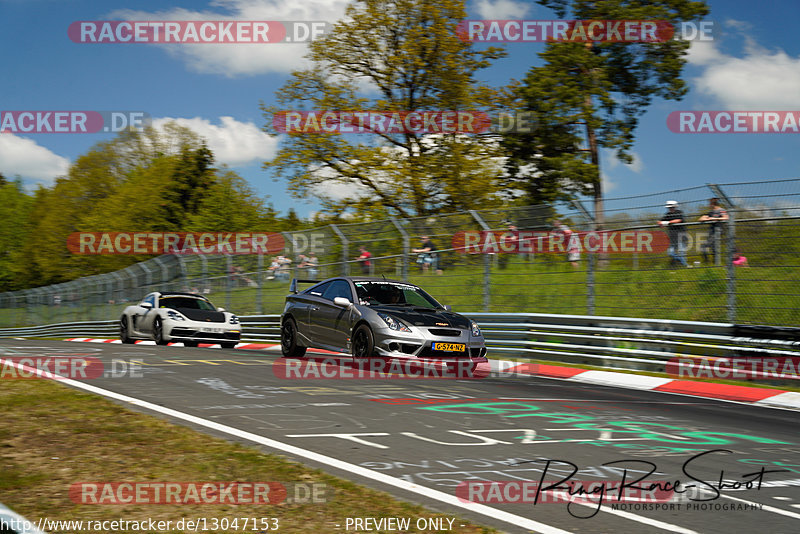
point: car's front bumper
(195, 331)
(419, 344)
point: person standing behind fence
(673, 221)
(573, 245)
(427, 255)
(364, 258)
(715, 217)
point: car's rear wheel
(289, 346)
(363, 343)
(158, 332)
(124, 334)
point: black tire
(158, 332)
(362, 346)
(124, 333)
(190, 343)
(228, 344)
(289, 346)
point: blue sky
(752, 64)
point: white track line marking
(437, 495)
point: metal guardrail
(608, 342)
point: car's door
(141, 314)
(331, 323)
(147, 315)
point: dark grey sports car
(375, 317)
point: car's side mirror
(447, 307)
(146, 305)
(342, 301)
(220, 309)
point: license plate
(213, 330)
(450, 347)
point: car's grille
(444, 332)
(428, 352)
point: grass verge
(52, 436)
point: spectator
(427, 255)
(716, 216)
(312, 262)
(572, 244)
(273, 268)
(676, 232)
(364, 258)
(739, 260)
(284, 269)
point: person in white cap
(673, 221)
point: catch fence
(505, 260)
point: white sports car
(185, 317)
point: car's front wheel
(289, 346)
(363, 344)
(190, 343)
(158, 332)
(228, 344)
(124, 335)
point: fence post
(228, 280)
(259, 291)
(406, 248)
(487, 296)
(590, 258)
(730, 288)
(345, 252)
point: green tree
(589, 96)
(230, 205)
(401, 55)
(15, 209)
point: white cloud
(760, 80)
(608, 183)
(611, 161)
(232, 142)
(22, 156)
(501, 9)
(244, 59)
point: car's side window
(319, 290)
(338, 288)
(151, 299)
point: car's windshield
(185, 303)
(393, 293)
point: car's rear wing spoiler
(295, 281)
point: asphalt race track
(420, 438)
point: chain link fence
(502, 260)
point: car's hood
(202, 315)
(419, 316)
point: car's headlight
(175, 316)
(393, 323)
(234, 320)
(476, 331)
